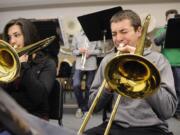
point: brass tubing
(91, 109)
(9, 58)
(30, 49)
(112, 115)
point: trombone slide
(91, 109)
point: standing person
(38, 72)
(83, 66)
(159, 40)
(146, 116)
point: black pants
(82, 100)
(118, 130)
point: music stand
(97, 25)
(172, 39)
(49, 27)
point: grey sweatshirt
(150, 111)
(80, 40)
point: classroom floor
(72, 123)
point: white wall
(156, 10)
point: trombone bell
(9, 58)
(132, 76)
(9, 62)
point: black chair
(65, 70)
(65, 76)
(56, 103)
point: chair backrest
(65, 70)
(56, 102)
(65, 74)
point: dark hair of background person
(171, 11)
(28, 30)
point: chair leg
(60, 122)
(71, 94)
(65, 90)
(64, 97)
(61, 106)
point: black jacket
(32, 88)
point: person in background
(86, 64)
(38, 71)
(159, 40)
(145, 116)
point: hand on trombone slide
(108, 88)
(23, 58)
(124, 48)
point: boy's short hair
(127, 14)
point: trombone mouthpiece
(15, 46)
(121, 44)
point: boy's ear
(139, 30)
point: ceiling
(6, 5)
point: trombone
(138, 82)
(9, 58)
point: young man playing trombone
(144, 115)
